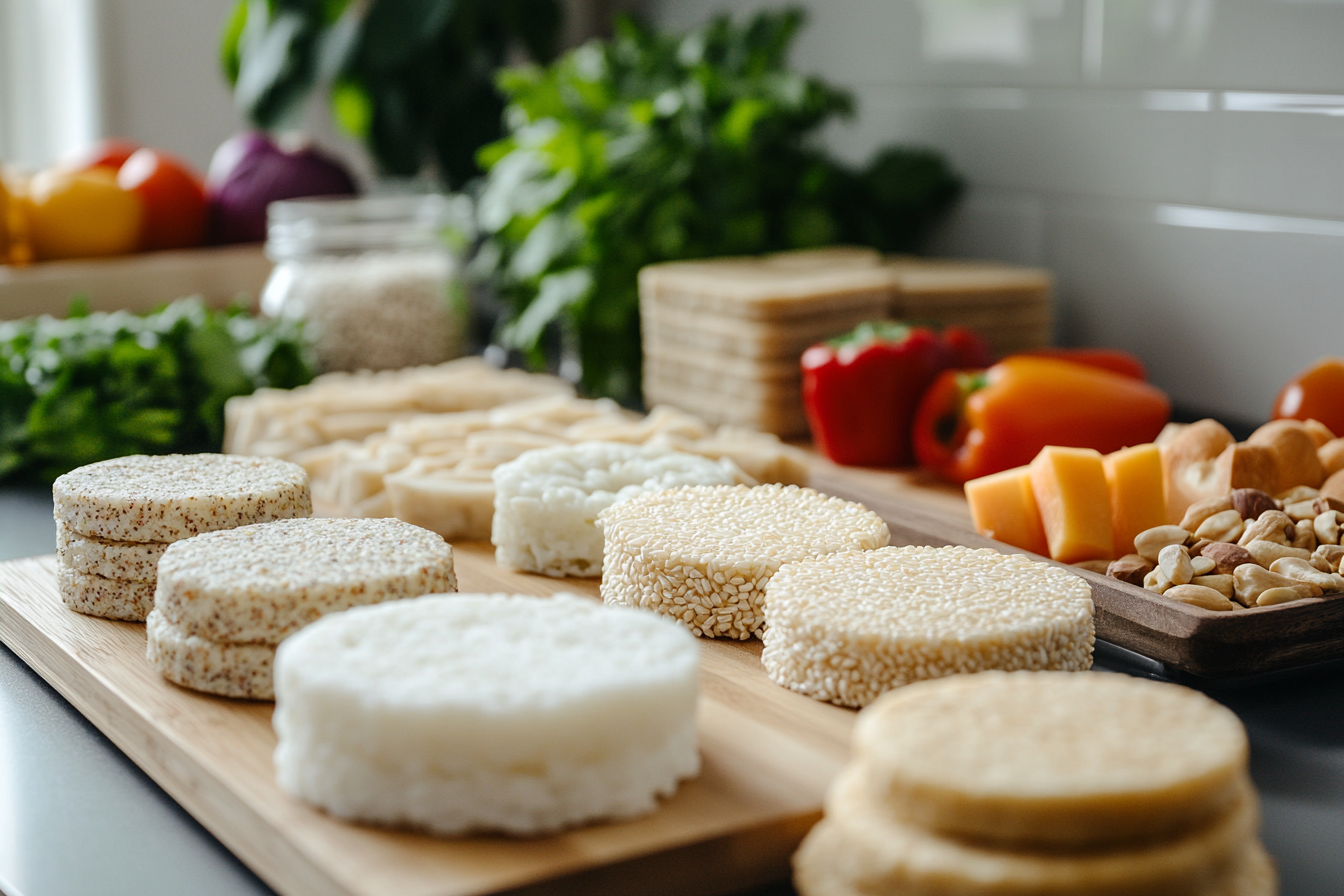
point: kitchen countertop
(76, 816)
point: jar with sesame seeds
(374, 277)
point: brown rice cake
(229, 670)
(861, 845)
(849, 627)
(261, 583)
(128, 561)
(167, 498)
(95, 595)
(1052, 758)
(704, 554)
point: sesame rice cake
(166, 498)
(547, 500)
(95, 595)
(419, 714)
(704, 554)
(261, 583)
(862, 847)
(847, 627)
(127, 561)
(1053, 758)
(229, 670)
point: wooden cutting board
(768, 755)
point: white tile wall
(1178, 163)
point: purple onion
(248, 172)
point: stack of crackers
(115, 519)
(722, 337)
(1048, 783)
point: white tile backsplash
(1178, 163)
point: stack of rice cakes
(115, 519)
(724, 336)
(225, 600)
(1048, 783)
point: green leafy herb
(95, 386)
(653, 147)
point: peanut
(1150, 542)
(1272, 525)
(1326, 526)
(1226, 525)
(1251, 502)
(1271, 596)
(1156, 581)
(1224, 585)
(1198, 596)
(1202, 566)
(1266, 552)
(1174, 561)
(1199, 511)
(1302, 510)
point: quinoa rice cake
(126, 561)
(95, 595)
(214, 667)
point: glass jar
(373, 277)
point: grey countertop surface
(77, 817)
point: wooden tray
(768, 755)
(1193, 640)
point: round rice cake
(547, 500)
(262, 583)
(420, 713)
(229, 670)
(1052, 758)
(127, 561)
(165, 498)
(704, 554)
(848, 627)
(95, 595)
(860, 845)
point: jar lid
(303, 227)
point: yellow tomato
(81, 214)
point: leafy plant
(413, 79)
(653, 147)
(102, 385)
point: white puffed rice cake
(704, 554)
(419, 713)
(848, 627)
(229, 670)
(166, 498)
(127, 561)
(95, 595)
(261, 583)
(859, 845)
(547, 500)
(1053, 758)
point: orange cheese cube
(1003, 507)
(1075, 504)
(1138, 496)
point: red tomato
(110, 153)
(1317, 392)
(173, 196)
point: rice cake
(261, 583)
(704, 554)
(95, 595)
(145, 498)
(127, 561)
(547, 501)
(419, 713)
(861, 845)
(848, 627)
(243, 671)
(1056, 759)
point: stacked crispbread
(115, 518)
(723, 337)
(224, 600)
(1048, 783)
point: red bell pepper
(860, 390)
(972, 423)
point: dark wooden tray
(1205, 643)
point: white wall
(1178, 163)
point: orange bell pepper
(972, 423)
(1317, 392)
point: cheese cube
(1003, 507)
(1075, 504)
(1138, 497)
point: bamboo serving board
(768, 755)
(1190, 639)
